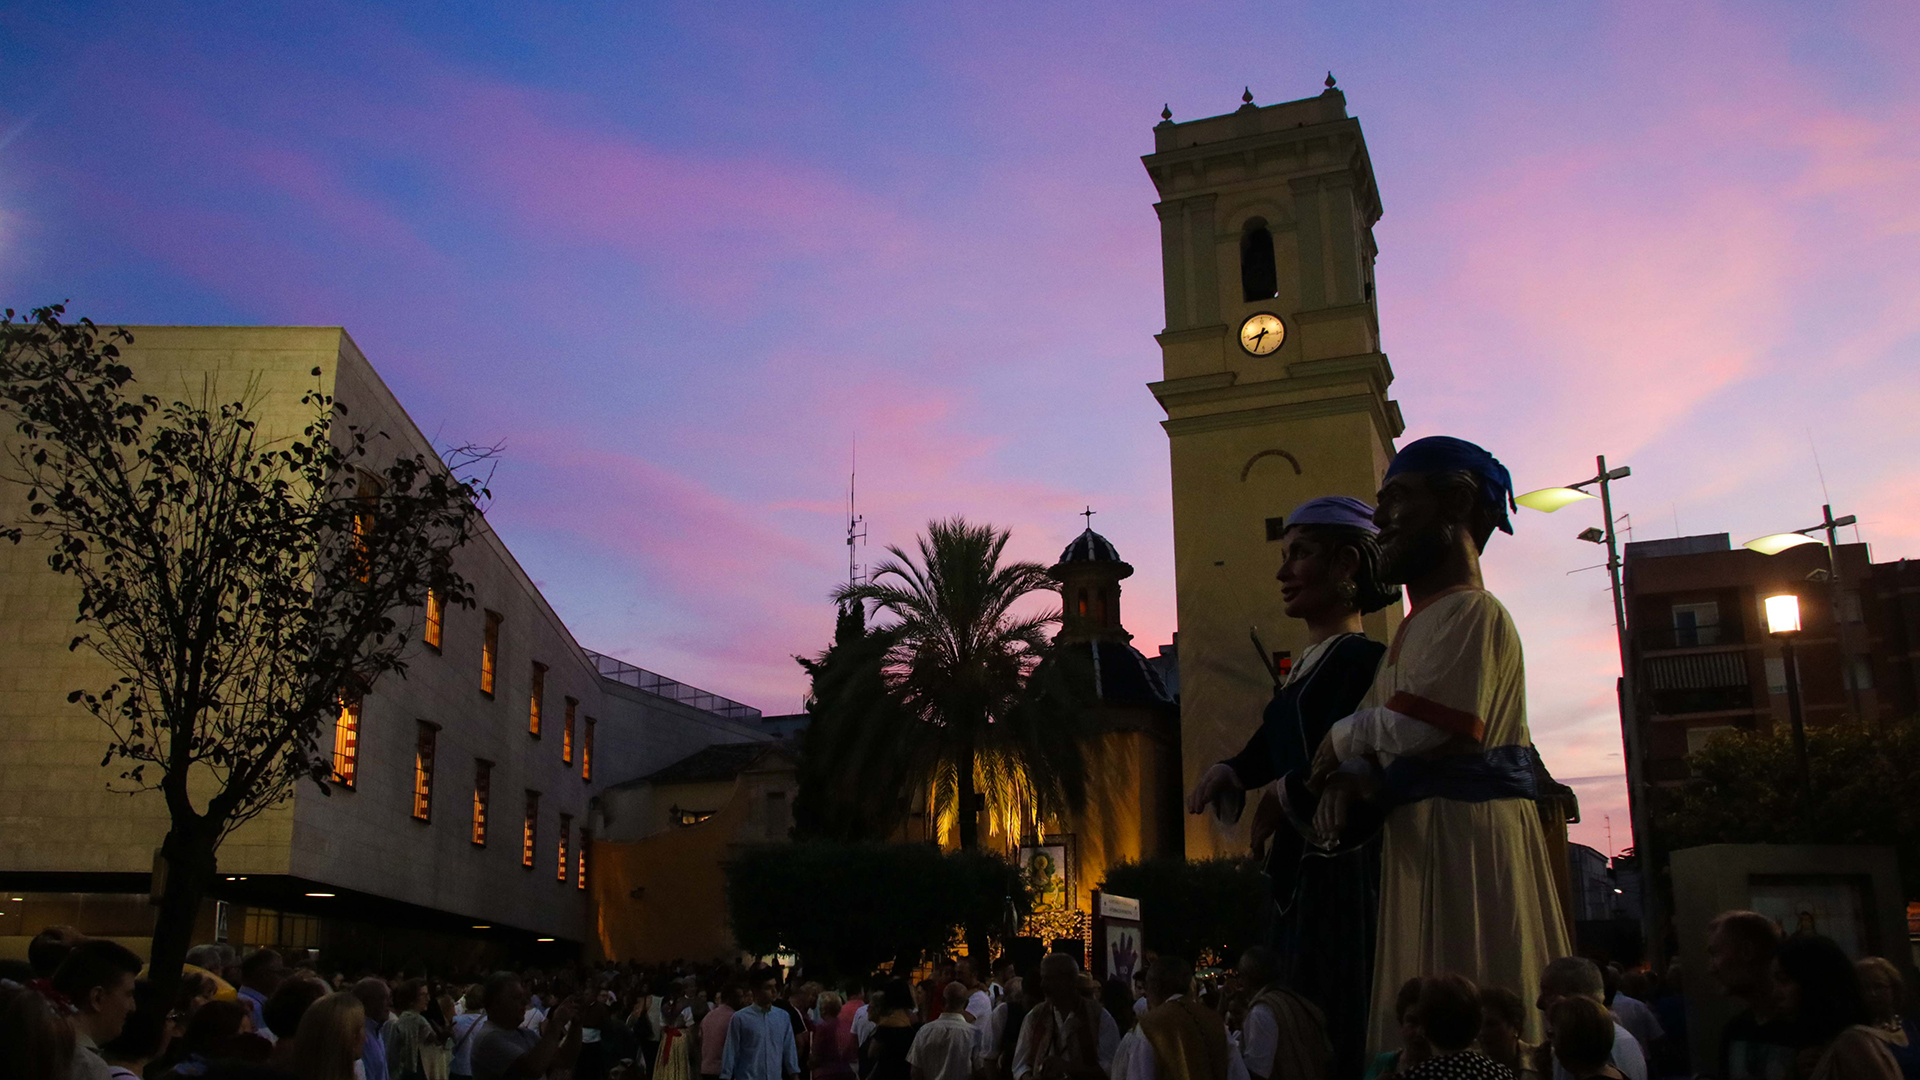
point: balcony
(1701, 682)
(1670, 638)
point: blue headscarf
(1443, 453)
(1334, 510)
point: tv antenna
(856, 524)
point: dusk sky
(677, 257)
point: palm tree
(957, 663)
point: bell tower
(1274, 386)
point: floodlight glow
(1547, 500)
(1783, 614)
(1778, 542)
(320, 895)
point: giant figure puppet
(1325, 898)
(1440, 747)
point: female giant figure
(1326, 899)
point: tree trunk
(969, 811)
(970, 841)
(190, 869)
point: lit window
(490, 653)
(586, 752)
(566, 827)
(423, 771)
(346, 743)
(586, 841)
(526, 835)
(482, 792)
(436, 613)
(539, 695)
(566, 734)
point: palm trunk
(969, 799)
(190, 869)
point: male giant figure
(1441, 743)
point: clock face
(1262, 333)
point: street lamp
(1783, 622)
(1775, 543)
(1548, 500)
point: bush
(1188, 909)
(847, 908)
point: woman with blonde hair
(332, 1033)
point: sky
(680, 259)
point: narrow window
(1259, 279)
(586, 752)
(566, 734)
(1081, 604)
(423, 771)
(586, 841)
(490, 653)
(1100, 609)
(539, 694)
(527, 833)
(482, 792)
(346, 742)
(776, 822)
(566, 827)
(436, 613)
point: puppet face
(1312, 574)
(1414, 530)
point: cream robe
(1465, 887)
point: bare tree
(241, 584)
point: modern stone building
(459, 829)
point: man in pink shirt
(713, 1031)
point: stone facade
(62, 832)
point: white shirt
(980, 1007)
(1634, 1015)
(467, 1029)
(1107, 1044)
(945, 1049)
(862, 1026)
(1261, 1035)
(1133, 1060)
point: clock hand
(1257, 337)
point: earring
(1350, 592)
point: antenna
(856, 525)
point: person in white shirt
(979, 1006)
(1170, 982)
(1632, 1013)
(1577, 976)
(1066, 1036)
(948, 1048)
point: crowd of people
(78, 1008)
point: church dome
(1089, 547)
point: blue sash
(1504, 772)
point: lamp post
(1775, 543)
(1548, 500)
(1783, 621)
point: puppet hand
(1215, 780)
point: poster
(1830, 905)
(1045, 867)
(1116, 937)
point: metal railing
(1661, 638)
(672, 689)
